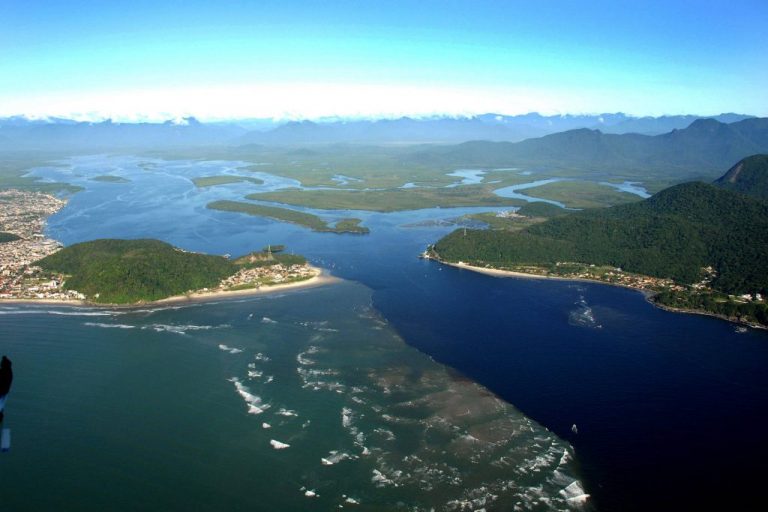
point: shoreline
(321, 278)
(648, 294)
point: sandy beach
(321, 278)
(509, 273)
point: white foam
(267, 320)
(574, 493)
(229, 349)
(346, 417)
(255, 405)
(261, 357)
(254, 374)
(182, 329)
(311, 494)
(380, 479)
(286, 412)
(266, 425)
(277, 445)
(109, 326)
(352, 501)
(334, 457)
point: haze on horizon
(305, 59)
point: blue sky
(354, 58)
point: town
(23, 243)
(23, 215)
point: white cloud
(292, 101)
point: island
(212, 181)
(308, 220)
(109, 178)
(693, 247)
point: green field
(308, 220)
(15, 164)
(514, 223)
(389, 200)
(581, 194)
(211, 181)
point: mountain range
(66, 134)
(702, 149)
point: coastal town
(23, 243)
(22, 220)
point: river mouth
(648, 390)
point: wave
(109, 326)
(182, 329)
(231, 350)
(255, 405)
(277, 445)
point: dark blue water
(671, 409)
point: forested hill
(128, 271)
(701, 150)
(672, 234)
(749, 176)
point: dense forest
(749, 176)
(127, 271)
(673, 234)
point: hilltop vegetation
(111, 271)
(749, 176)
(128, 271)
(672, 234)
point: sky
(161, 59)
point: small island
(307, 220)
(109, 178)
(212, 181)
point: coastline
(648, 294)
(321, 278)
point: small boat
(574, 429)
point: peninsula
(693, 247)
(119, 272)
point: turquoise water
(182, 408)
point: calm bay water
(669, 407)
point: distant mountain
(62, 134)
(491, 127)
(703, 149)
(749, 176)
(65, 134)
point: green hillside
(672, 234)
(749, 176)
(128, 271)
